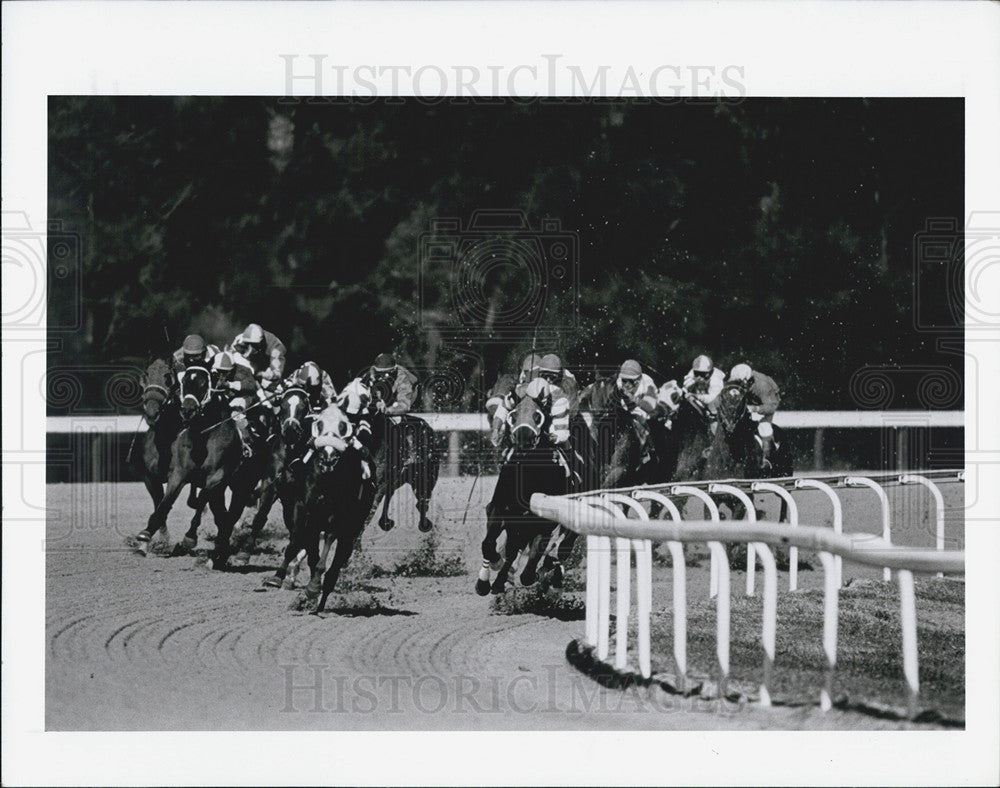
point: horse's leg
(316, 566)
(192, 500)
(345, 546)
(292, 550)
(535, 548)
(515, 543)
(426, 472)
(489, 549)
(267, 497)
(220, 555)
(494, 525)
(158, 519)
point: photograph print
(547, 414)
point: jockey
(505, 394)
(763, 399)
(193, 353)
(705, 382)
(357, 403)
(637, 391)
(239, 387)
(264, 352)
(552, 370)
(316, 383)
(392, 386)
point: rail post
(861, 481)
(912, 478)
(793, 520)
(713, 515)
(751, 517)
(680, 584)
(643, 549)
(908, 621)
(831, 600)
(838, 515)
(722, 616)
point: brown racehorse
(533, 464)
(208, 453)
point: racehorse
(690, 437)
(406, 455)
(283, 478)
(627, 452)
(737, 447)
(533, 464)
(207, 453)
(163, 417)
(337, 494)
(736, 451)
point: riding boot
(246, 438)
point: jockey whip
(479, 470)
(255, 405)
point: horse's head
(156, 385)
(293, 411)
(196, 390)
(528, 416)
(332, 432)
(731, 406)
(599, 397)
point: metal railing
(623, 515)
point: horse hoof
(241, 559)
(218, 564)
(312, 591)
(386, 524)
(143, 536)
(273, 582)
(482, 587)
(141, 548)
(425, 524)
(498, 587)
(528, 576)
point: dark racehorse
(286, 476)
(627, 452)
(151, 459)
(207, 453)
(532, 465)
(737, 448)
(405, 455)
(735, 451)
(336, 498)
(691, 437)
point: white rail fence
(456, 423)
(621, 515)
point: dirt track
(155, 643)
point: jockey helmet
(741, 373)
(702, 366)
(538, 389)
(631, 370)
(311, 375)
(551, 368)
(253, 335)
(531, 362)
(193, 345)
(384, 362)
(224, 363)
